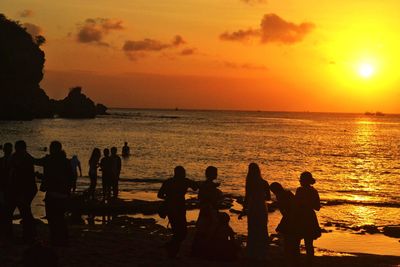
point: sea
(355, 158)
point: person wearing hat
(307, 201)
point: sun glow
(366, 70)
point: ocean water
(355, 158)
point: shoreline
(334, 236)
(126, 241)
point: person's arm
(267, 191)
(192, 184)
(316, 201)
(39, 162)
(80, 168)
(162, 192)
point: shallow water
(355, 158)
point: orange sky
(221, 54)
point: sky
(277, 55)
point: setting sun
(366, 70)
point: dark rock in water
(392, 231)
(370, 229)
(76, 105)
(101, 109)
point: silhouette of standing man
(21, 191)
(57, 176)
(107, 175)
(116, 170)
(4, 179)
(173, 192)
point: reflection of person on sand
(106, 177)
(287, 226)
(57, 173)
(173, 191)
(75, 165)
(116, 171)
(307, 200)
(93, 165)
(21, 191)
(209, 198)
(257, 192)
(126, 151)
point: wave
(360, 203)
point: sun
(366, 70)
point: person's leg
(309, 250)
(10, 206)
(28, 221)
(55, 210)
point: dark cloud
(188, 52)
(26, 13)
(94, 30)
(32, 29)
(273, 29)
(246, 66)
(132, 48)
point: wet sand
(127, 241)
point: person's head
(179, 172)
(276, 188)
(114, 150)
(106, 152)
(96, 154)
(20, 146)
(254, 171)
(74, 157)
(126, 143)
(55, 148)
(211, 173)
(306, 179)
(7, 149)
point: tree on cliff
(21, 70)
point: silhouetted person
(93, 165)
(21, 191)
(126, 151)
(288, 225)
(209, 198)
(106, 174)
(116, 171)
(223, 246)
(75, 165)
(4, 180)
(173, 191)
(307, 200)
(57, 175)
(254, 206)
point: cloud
(136, 49)
(273, 29)
(188, 52)
(26, 13)
(94, 30)
(32, 29)
(246, 66)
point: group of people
(110, 167)
(18, 186)
(18, 189)
(215, 239)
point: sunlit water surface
(355, 158)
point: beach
(354, 158)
